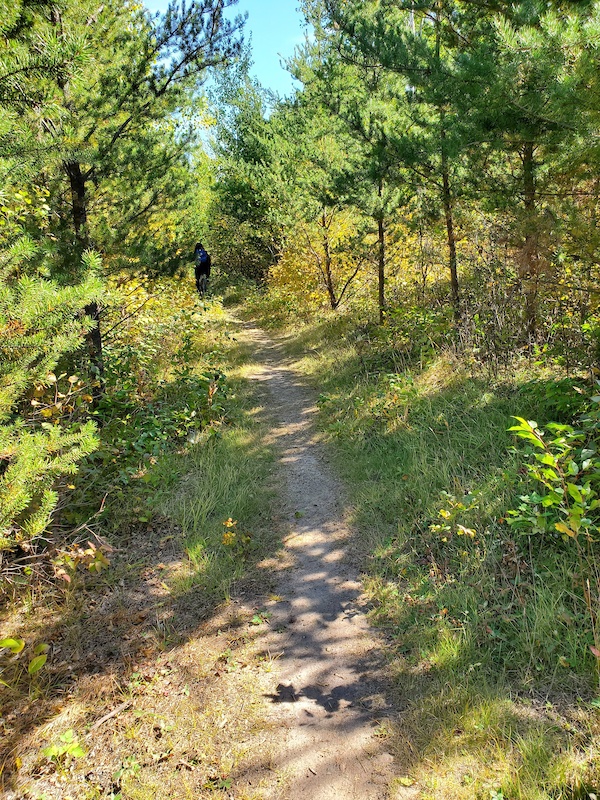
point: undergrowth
(491, 626)
(161, 524)
(177, 440)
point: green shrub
(42, 437)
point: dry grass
(155, 666)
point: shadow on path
(331, 692)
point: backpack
(202, 258)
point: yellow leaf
(14, 645)
(560, 526)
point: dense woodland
(423, 213)
(443, 150)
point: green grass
(488, 631)
(225, 474)
(228, 477)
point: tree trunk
(79, 214)
(333, 301)
(449, 216)
(381, 269)
(381, 260)
(529, 267)
(446, 192)
(78, 202)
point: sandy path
(329, 687)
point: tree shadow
(452, 604)
(458, 605)
(106, 629)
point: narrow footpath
(329, 694)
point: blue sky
(276, 28)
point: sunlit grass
(164, 516)
(487, 641)
(228, 475)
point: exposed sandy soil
(329, 692)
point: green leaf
(14, 645)
(551, 499)
(36, 664)
(547, 458)
(574, 492)
(51, 751)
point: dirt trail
(329, 688)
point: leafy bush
(563, 504)
(555, 400)
(563, 461)
(163, 389)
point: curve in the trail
(329, 688)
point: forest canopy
(438, 156)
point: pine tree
(245, 224)
(399, 52)
(41, 440)
(106, 116)
(372, 126)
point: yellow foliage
(315, 253)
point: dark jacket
(202, 262)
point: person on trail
(202, 262)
